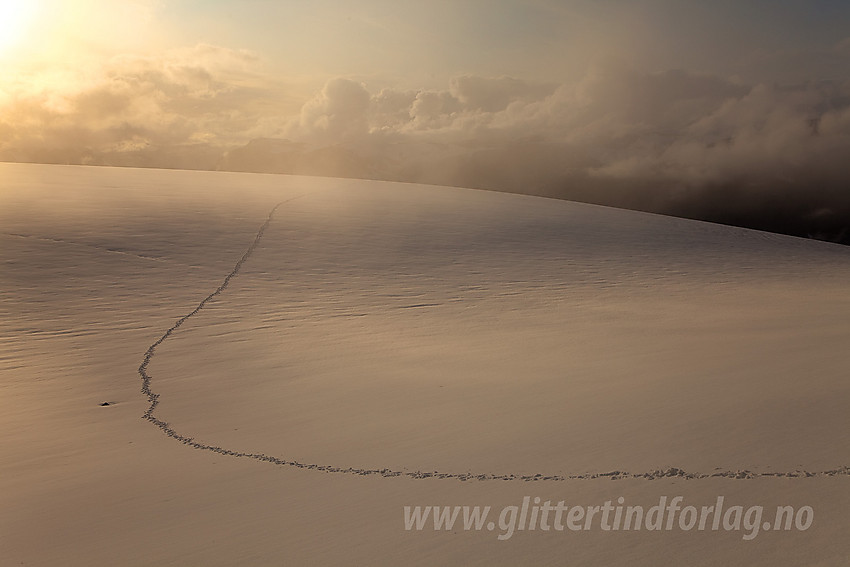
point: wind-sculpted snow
(306, 373)
(154, 400)
(72, 243)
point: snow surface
(377, 333)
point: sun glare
(16, 19)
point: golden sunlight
(16, 19)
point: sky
(737, 112)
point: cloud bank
(761, 155)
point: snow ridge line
(153, 399)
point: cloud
(135, 108)
(390, 109)
(337, 114)
(762, 155)
(495, 94)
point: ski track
(153, 398)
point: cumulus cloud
(168, 111)
(495, 94)
(338, 114)
(761, 155)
